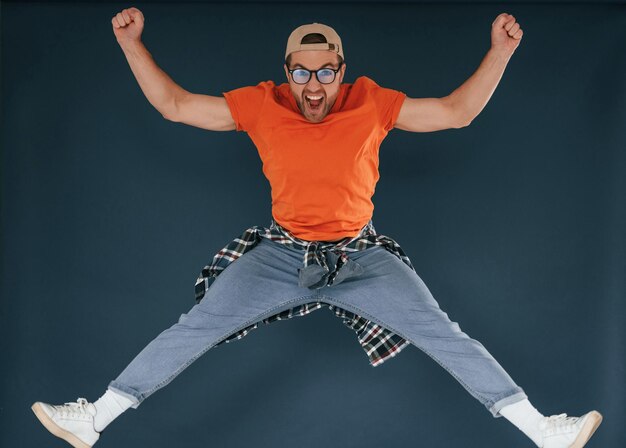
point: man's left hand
(506, 33)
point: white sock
(524, 415)
(109, 407)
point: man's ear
(286, 72)
(343, 71)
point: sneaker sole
(55, 429)
(593, 421)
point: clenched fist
(506, 33)
(128, 25)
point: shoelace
(562, 420)
(80, 407)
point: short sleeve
(388, 104)
(246, 104)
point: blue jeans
(264, 281)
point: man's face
(314, 60)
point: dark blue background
(516, 223)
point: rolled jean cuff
(495, 408)
(126, 392)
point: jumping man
(318, 139)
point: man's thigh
(392, 294)
(262, 282)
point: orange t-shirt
(322, 175)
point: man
(318, 140)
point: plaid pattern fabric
(324, 263)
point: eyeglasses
(323, 75)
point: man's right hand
(128, 25)
(172, 101)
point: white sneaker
(561, 431)
(72, 422)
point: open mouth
(314, 101)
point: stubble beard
(317, 117)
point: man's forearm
(472, 96)
(159, 88)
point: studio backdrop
(516, 223)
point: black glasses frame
(315, 71)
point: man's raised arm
(171, 100)
(463, 105)
(472, 96)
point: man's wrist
(501, 53)
(130, 44)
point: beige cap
(333, 41)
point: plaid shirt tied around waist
(325, 263)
